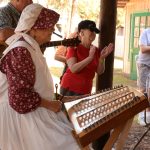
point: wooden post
(108, 11)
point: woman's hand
(73, 35)
(106, 51)
(55, 106)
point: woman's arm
(101, 66)
(54, 105)
(20, 71)
(145, 49)
(75, 66)
(61, 51)
(60, 54)
(104, 53)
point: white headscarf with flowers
(33, 16)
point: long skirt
(41, 129)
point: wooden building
(136, 19)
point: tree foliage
(86, 9)
(59, 4)
(89, 9)
(120, 17)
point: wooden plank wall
(132, 7)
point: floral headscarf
(34, 16)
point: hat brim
(97, 30)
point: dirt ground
(135, 134)
(136, 130)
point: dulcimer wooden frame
(118, 121)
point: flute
(65, 42)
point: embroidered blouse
(20, 72)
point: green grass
(118, 78)
(121, 78)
